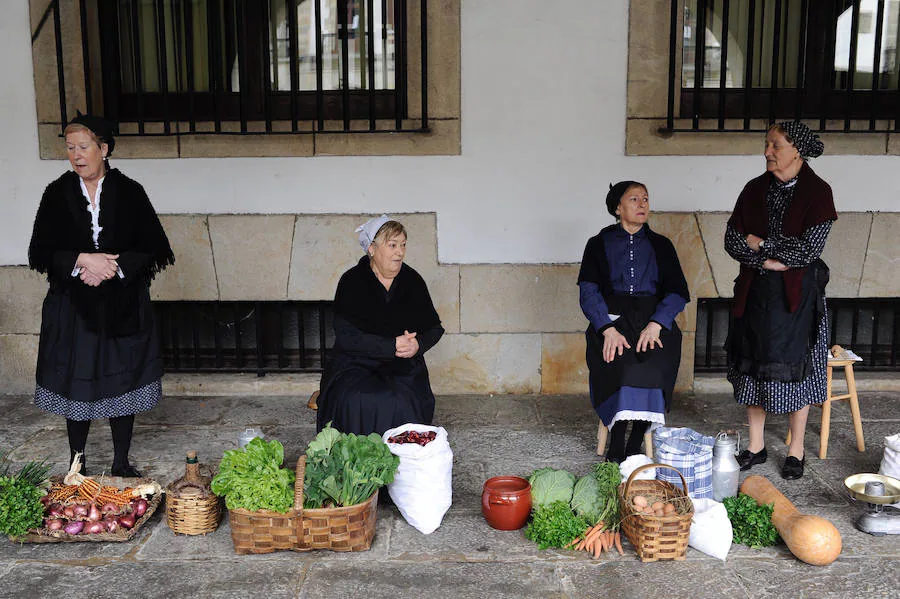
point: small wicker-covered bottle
(191, 507)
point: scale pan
(856, 484)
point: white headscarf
(369, 229)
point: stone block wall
(511, 328)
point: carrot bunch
(597, 539)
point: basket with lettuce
(328, 502)
(576, 513)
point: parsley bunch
(751, 523)
(20, 497)
(555, 525)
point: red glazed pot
(506, 502)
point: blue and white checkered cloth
(691, 453)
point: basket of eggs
(656, 516)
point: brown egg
(639, 501)
(657, 506)
(669, 508)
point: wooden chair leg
(601, 438)
(826, 429)
(648, 444)
(787, 439)
(854, 408)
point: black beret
(102, 128)
(615, 194)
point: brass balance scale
(877, 490)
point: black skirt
(653, 369)
(82, 366)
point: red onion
(55, 510)
(126, 521)
(139, 506)
(94, 513)
(53, 524)
(45, 500)
(94, 528)
(74, 528)
(69, 511)
(109, 508)
(112, 523)
(81, 510)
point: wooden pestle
(811, 539)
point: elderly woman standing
(631, 289)
(384, 322)
(100, 243)
(777, 349)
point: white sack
(710, 529)
(422, 489)
(632, 463)
(890, 463)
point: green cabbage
(549, 485)
(586, 499)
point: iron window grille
(748, 63)
(868, 326)
(254, 66)
(260, 337)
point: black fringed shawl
(130, 228)
(362, 300)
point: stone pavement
(464, 557)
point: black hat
(616, 192)
(101, 127)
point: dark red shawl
(812, 205)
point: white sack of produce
(632, 463)
(890, 463)
(710, 529)
(422, 488)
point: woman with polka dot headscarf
(777, 347)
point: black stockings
(121, 427)
(618, 448)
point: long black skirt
(363, 396)
(83, 374)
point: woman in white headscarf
(384, 322)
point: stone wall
(511, 328)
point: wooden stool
(602, 432)
(826, 407)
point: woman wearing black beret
(631, 289)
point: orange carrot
(619, 543)
(598, 547)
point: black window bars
(248, 66)
(244, 336)
(748, 63)
(868, 326)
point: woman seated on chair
(384, 322)
(631, 289)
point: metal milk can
(725, 468)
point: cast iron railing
(868, 326)
(260, 337)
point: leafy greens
(554, 525)
(549, 485)
(253, 479)
(345, 469)
(751, 523)
(20, 497)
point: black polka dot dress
(779, 397)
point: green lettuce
(252, 478)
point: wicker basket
(192, 512)
(350, 528)
(656, 538)
(43, 535)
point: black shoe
(748, 459)
(793, 468)
(126, 471)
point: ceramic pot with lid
(506, 502)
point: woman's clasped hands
(97, 267)
(407, 345)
